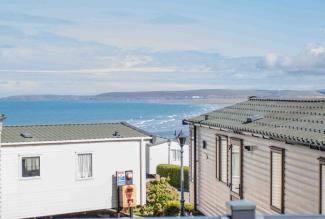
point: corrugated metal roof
(299, 120)
(69, 132)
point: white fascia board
(75, 141)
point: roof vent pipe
(116, 134)
(26, 135)
(154, 139)
(254, 118)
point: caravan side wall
(301, 175)
(158, 154)
(175, 146)
(58, 190)
(162, 154)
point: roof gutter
(247, 133)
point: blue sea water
(158, 118)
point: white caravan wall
(176, 146)
(162, 154)
(58, 190)
(158, 154)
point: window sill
(235, 196)
(277, 210)
(222, 182)
(30, 178)
(84, 179)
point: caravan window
(277, 179)
(85, 166)
(176, 154)
(322, 185)
(223, 159)
(30, 166)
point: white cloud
(93, 71)
(316, 50)
(271, 59)
(310, 61)
(51, 63)
(14, 86)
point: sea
(161, 119)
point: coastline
(154, 117)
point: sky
(91, 47)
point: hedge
(173, 172)
(189, 208)
(172, 208)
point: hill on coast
(211, 96)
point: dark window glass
(322, 186)
(30, 166)
(322, 189)
(204, 145)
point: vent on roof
(253, 118)
(26, 135)
(116, 134)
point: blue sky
(89, 47)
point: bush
(159, 193)
(189, 208)
(172, 208)
(173, 172)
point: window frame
(320, 198)
(78, 178)
(233, 194)
(177, 154)
(217, 157)
(21, 157)
(220, 160)
(281, 151)
(192, 161)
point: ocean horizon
(161, 119)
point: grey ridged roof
(66, 132)
(291, 120)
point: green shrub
(159, 193)
(172, 208)
(189, 208)
(173, 172)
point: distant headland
(207, 96)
